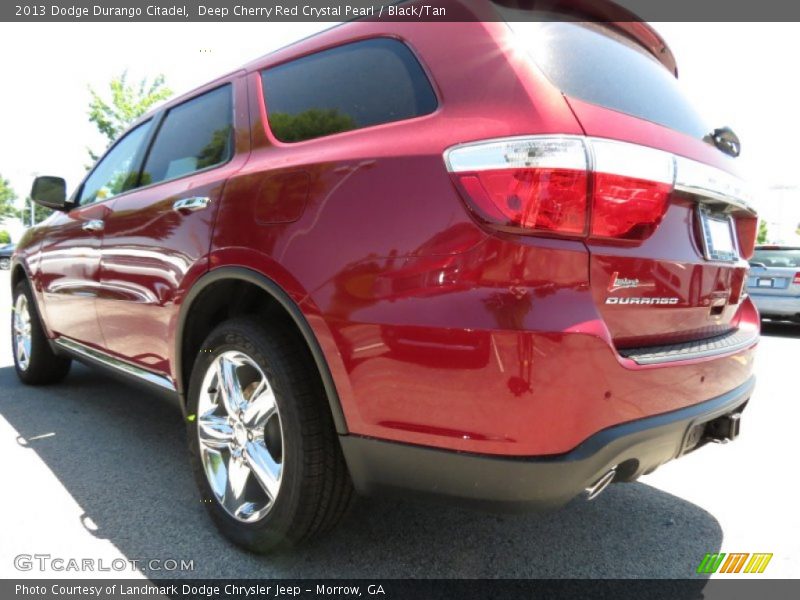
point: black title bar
(413, 10)
(397, 589)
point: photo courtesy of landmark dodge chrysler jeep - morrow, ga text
(360, 265)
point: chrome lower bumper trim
(728, 343)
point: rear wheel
(34, 360)
(5, 263)
(262, 443)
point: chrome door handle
(191, 204)
(93, 225)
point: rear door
(675, 274)
(157, 238)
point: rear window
(348, 87)
(777, 257)
(591, 62)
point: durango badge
(640, 300)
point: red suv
(498, 261)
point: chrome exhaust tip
(594, 490)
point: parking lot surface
(94, 469)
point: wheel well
(227, 298)
(221, 301)
(17, 275)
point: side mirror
(50, 192)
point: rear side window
(194, 136)
(117, 171)
(348, 87)
(591, 62)
(777, 257)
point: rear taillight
(796, 279)
(577, 186)
(631, 188)
(532, 185)
(534, 199)
(746, 231)
(568, 186)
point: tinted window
(591, 62)
(117, 170)
(348, 87)
(194, 135)
(777, 257)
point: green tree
(127, 103)
(308, 124)
(762, 232)
(40, 213)
(7, 199)
(5, 237)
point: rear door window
(592, 62)
(348, 87)
(194, 136)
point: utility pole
(30, 201)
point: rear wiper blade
(725, 139)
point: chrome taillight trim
(603, 155)
(566, 152)
(631, 160)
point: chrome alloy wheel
(240, 435)
(22, 332)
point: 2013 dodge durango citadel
(508, 269)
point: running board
(82, 351)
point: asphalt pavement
(94, 469)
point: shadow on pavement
(780, 329)
(121, 455)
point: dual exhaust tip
(597, 488)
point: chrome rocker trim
(80, 350)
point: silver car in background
(774, 282)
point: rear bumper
(519, 483)
(781, 306)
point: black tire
(315, 490)
(43, 365)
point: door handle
(93, 225)
(191, 204)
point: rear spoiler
(610, 13)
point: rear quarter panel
(382, 232)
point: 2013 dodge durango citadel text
(359, 264)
